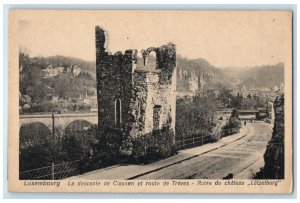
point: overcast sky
(223, 38)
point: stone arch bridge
(63, 121)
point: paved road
(235, 158)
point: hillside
(198, 66)
(42, 79)
(64, 61)
(266, 76)
(196, 74)
(192, 74)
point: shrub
(234, 124)
(153, 146)
(40, 154)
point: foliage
(67, 86)
(236, 102)
(225, 96)
(78, 145)
(32, 85)
(72, 148)
(250, 101)
(40, 151)
(234, 124)
(35, 85)
(239, 101)
(153, 146)
(194, 117)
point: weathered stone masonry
(274, 155)
(136, 102)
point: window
(118, 116)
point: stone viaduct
(63, 121)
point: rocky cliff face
(274, 155)
(195, 74)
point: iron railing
(199, 140)
(193, 141)
(67, 169)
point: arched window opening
(151, 63)
(118, 115)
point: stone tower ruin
(136, 103)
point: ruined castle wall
(138, 105)
(154, 99)
(153, 109)
(114, 82)
(150, 79)
(143, 100)
(167, 84)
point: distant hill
(55, 61)
(196, 73)
(198, 66)
(268, 76)
(257, 77)
(57, 76)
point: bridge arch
(78, 125)
(33, 133)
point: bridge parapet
(53, 121)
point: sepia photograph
(150, 101)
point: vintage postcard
(146, 101)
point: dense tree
(194, 117)
(79, 144)
(225, 96)
(233, 125)
(41, 149)
(38, 151)
(62, 85)
(32, 84)
(236, 102)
